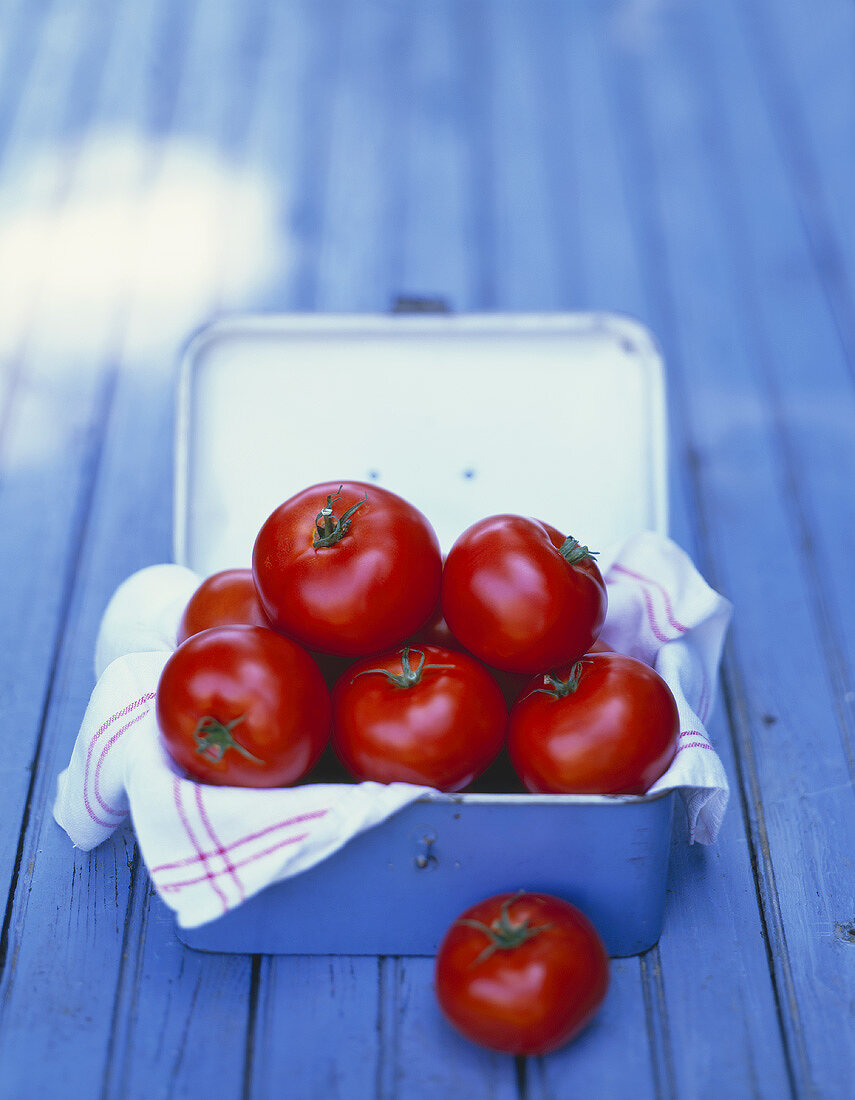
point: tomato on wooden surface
(521, 596)
(521, 973)
(227, 598)
(607, 724)
(347, 568)
(242, 706)
(430, 716)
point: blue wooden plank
(613, 268)
(589, 1066)
(712, 911)
(277, 143)
(791, 786)
(114, 960)
(803, 59)
(808, 382)
(434, 163)
(474, 65)
(422, 1055)
(147, 981)
(181, 1019)
(49, 448)
(22, 25)
(317, 1028)
(169, 1000)
(362, 160)
(311, 169)
(37, 152)
(612, 264)
(530, 201)
(809, 366)
(19, 45)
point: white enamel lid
(558, 416)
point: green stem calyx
(558, 688)
(573, 551)
(213, 739)
(502, 933)
(409, 676)
(328, 529)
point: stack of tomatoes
(348, 586)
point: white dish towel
(209, 848)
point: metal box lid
(557, 416)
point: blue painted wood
(181, 1023)
(22, 33)
(807, 82)
(48, 446)
(590, 1066)
(362, 156)
(277, 139)
(720, 169)
(115, 964)
(317, 1028)
(792, 786)
(421, 1054)
(712, 925)
(314, 110)
(808, 369)
(535, 262)
(431, 254)
(180, 1019)
(587, 169)
(38, 151)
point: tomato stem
(502, 933)
(573, 551)
(558, 688)
(409, 675)
(213, 739)
(328, 529)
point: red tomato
(348, 569)
(430, 716)
(521, 973)
(606, 725)
(223, 599)
(520, 596)
(242, 706)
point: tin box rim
(528, 799)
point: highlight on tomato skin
(607, 724)
(521, 596)
(419, 714)
(521, 973)
(227, 598)
(347, 568)
(243, 706)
